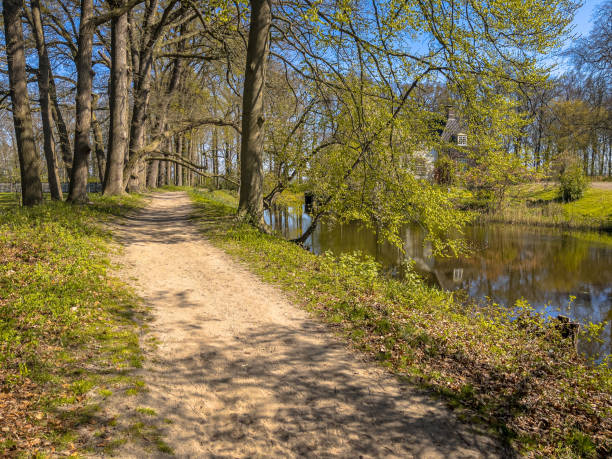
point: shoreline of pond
(520, 378)
(557, 271)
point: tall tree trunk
(215, 157)
(152, 173)
(250, 207)
(186, 172)
(45, 103)
(193, 157)
(178, 169)
(118, 105)
(142, 89)
(601, 157)
(60, 124)
(228, 160)
(161, 173)
(98, 142)
(31, 187)
(82, 148)
(169, 164)
(593, 153)
(154, 166)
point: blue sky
(583, 20)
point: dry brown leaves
(22, 426)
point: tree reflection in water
(545, 266)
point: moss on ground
(508, 370)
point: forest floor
(239, 371)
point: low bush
(444, 171)
(572, 179)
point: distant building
(454, 132)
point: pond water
(545, 266)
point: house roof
(453, 127)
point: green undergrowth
(68, 328)
(508, 371)
(289, 198)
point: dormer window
(462, 140)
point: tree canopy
(341, 96)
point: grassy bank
(67, 327)
(518, 378)
(538, 204)
(8, 200)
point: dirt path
(241, 372)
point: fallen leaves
(19, 425)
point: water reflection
(542, 265)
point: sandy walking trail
(241, 372)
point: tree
(44, 73)
(118, 104)
(96, 129)
(134, 173)
(31, 186)
(595, 51)
(82, 147)
(365, 65)
(250, 207)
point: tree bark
(152, 173)
(142, 88)
(45, 102)
(31, 186)
(60, 124)
(118, 104)
(215, 157)
(161, 173)
(250, 207)
(97, 134)
(82, 147)
(169, 165)
(228, 160)
(178, 169)
(193, 155)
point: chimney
(450, 113)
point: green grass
(146, 411)
(173, 188)
(225, 197)
(516, 377)
(539, 204)
(8, 200)
(67, 326)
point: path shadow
(314, 402)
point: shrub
(444, 171)
(484, 199)
(572, 179)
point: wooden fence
(92, 187)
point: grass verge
(538, 204)
(67, 327)
(508, 370)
